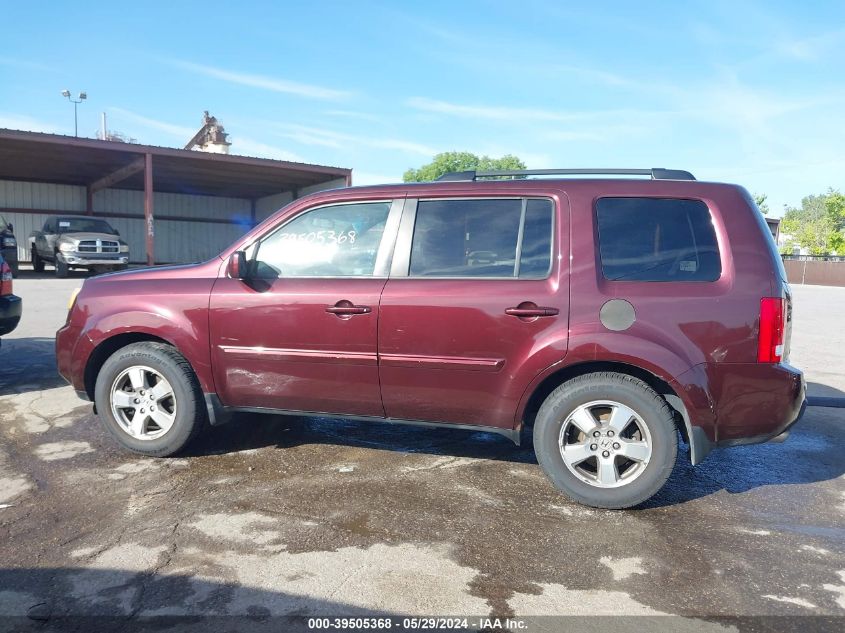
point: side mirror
(238, 268)
(11, 229)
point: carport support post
(148, 208)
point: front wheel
(37, 262)
(61, 268)
(606, 440)
(149, 399)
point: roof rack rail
(656, 173)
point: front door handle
(527, 310)
(347, 308)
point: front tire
(61, 268)
(37, 262)
(150, 400)
(606, 440)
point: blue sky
(742, 92)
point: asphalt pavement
(270, 517)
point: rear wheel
(606, 440)
(37, 262)
(149, 399)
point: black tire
(190, 416)
(62, 269)
(37, 262)
(629, 391)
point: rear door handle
(344, 308)
(532, 312)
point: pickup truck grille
(98, 246)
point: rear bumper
(10, 313)
(730, 404)
(756, 402)
(780, 432)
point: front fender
(173, 328)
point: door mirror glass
(238, 268)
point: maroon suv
(611, 315)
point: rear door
(476, 306)
(301, 333)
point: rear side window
(657, 239)
(482, 238)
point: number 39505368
(322, 237)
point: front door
(476, 306)
(300, 333)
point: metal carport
(147, 187)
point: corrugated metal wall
(267, 206)
(175, 240)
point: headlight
(9, 242)
(73, 297)
(67, 247)
(124, 248)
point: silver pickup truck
(78, 241)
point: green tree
(460, 161)
(818, 224)
(760, 199)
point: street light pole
(82, 97)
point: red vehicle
(611, 315)
(10, 304)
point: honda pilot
(615, 317)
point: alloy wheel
(143, 402)
(605, 444)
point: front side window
(657, 239)
(335, 241)
(482, 238)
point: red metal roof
(53, 158)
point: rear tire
(62, 269)
(169, 399)
(606, 440)
(37, 262)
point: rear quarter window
(657, 239)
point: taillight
(5, 280)
(770, 345)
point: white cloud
(185, 133)
(27, 123)
(350, 114)
(249, 147)
(24, 64)
(362, 178)
(524, 114)
(486, 111)
(264, 82)
(241, 145)
(339, 140)
(811, 48)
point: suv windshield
(83, 225)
